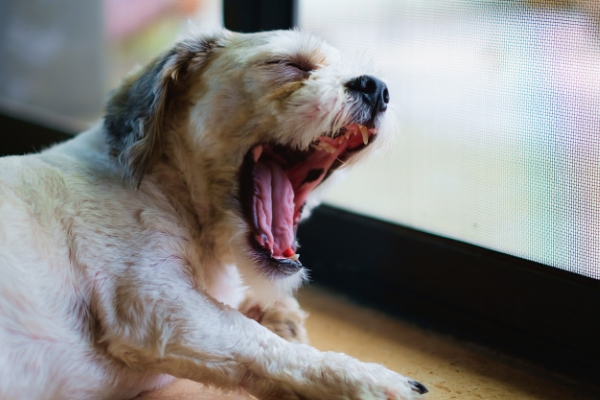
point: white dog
(128, 252)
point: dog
(161, 242)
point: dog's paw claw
(418, 387)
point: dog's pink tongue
(274, 207)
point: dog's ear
(137, 113)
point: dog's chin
(265, 288)
(275, 183)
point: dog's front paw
(375, 382)
(349, 379)
(398, 387)
(284, 317)
(335, 376)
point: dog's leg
(284, 317)
(161, 323)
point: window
(497, 158)
(499, 109)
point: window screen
(498, 106)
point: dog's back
(36, 327)
(48, 329)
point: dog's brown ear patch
(137, 112)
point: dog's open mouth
(275, 183)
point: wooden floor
(449, 369)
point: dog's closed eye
(300, 67)
(292, 68)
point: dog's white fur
(123, 261)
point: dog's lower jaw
(267, 288)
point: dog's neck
(193, 190)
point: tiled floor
(449, 369)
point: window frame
(518, 307)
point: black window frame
(543, 314)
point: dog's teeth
(365, 138)
(295, 257)
(365, 134)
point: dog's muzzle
(276, 179)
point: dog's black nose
(372, 91)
